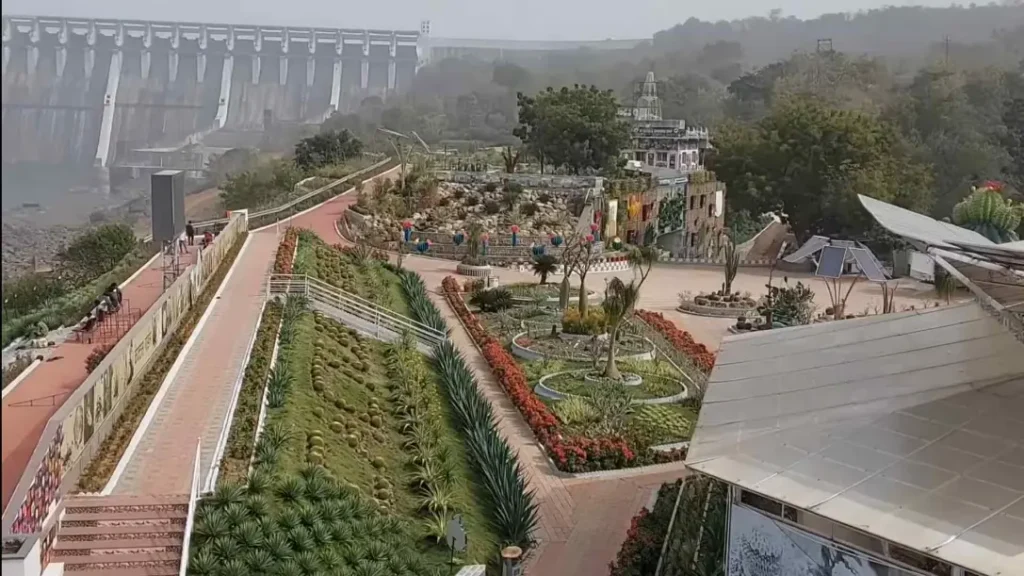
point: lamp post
(394, 138)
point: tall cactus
(986, 212)
(732, 262)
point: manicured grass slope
(367, 278)
(340, 394)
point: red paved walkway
(52, 382)
(197, 399)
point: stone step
(98, 532)
(169, 570)
(93, 501)
(117, 515)
(144, 559)
(77, 546)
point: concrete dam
(82, 92)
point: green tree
(96, 252)
(577, 128)
(809, 162)
(619, 301)
(326, 148)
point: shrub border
(501, 482)
(241, 442)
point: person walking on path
(190, 231)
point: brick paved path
(198, 397)
(27, 409)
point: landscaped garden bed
(364, 438)
(242, 436)
(717, 304)
(356, 272)
(581, 349)
(579, 434)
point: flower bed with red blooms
(703, 358)
(640, 552)
(285, 259)
(569, 453)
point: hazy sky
(520, 19)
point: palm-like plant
(619, 301)
(642, 259)
(544, 265)
(493, 300)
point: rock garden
(443, 209)
(602, 388)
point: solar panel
(830, 264)
(810, 247)
(868, 264)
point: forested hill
(892, 31)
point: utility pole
(946, 48)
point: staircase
(122, 535)
(357, 313)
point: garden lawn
(340, 395)
(365, 277)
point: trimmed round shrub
(337, 426)
(352, 441)
(379, 463)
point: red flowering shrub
(647, 531)
(680, 339)
(285, 259)
(570, 453)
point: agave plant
(291, 490)
(249, 534)
(438, 498)
(211, 526)
(259, 561)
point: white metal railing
(372, 316)
(193, 496)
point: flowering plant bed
(284, 261)
(570, 453)
(642, 549)
(681, 340)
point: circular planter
(469, 270)
(528, 354)
(592, 297)
(545, 391)
(691, 307)
(577, 337)
(628, 378)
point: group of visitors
(108, 303)
(189, 239)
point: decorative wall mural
(42, 493)
(762, 546)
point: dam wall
(85, 91)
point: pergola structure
(890, 444)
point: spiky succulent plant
(987, 212)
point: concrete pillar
(230, 40)
(311, 62)
(283, 71)
(173, 56)
(258, 45)
(147, 56)
(33, 36)
(201, 57)
(90, 62)
(119, 35)
(392, 52)
(6, 39)
(364, 76)
(109, 101)
(225, 90)
(336, 85)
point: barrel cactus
(988, 213)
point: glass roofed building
(885, 445)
